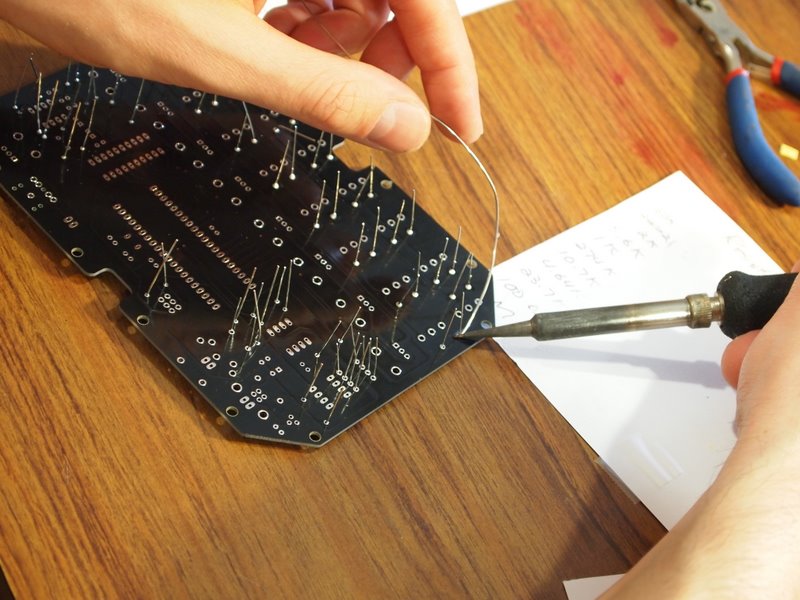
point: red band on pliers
(775, 71)
(735, 73)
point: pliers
(739, 56)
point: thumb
(787, 318)
(267, 68)
(733, 356)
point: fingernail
(402, 127)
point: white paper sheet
(652, 404)
(466, 7)
(589, 588)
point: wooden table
(119, 482)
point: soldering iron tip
(469, 335)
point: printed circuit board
(295, 294)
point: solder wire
(472, 155)
(496, 196)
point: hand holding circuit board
(225, 48)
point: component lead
(238, 147)
(397, 222)
(250, 282)
(36, 71)
(376, 352)
(239, 307)
(288, 286)
(319, 204)
(399, 304)
(443, 346)
(443, 255)
(410, 230)
(356, 262)
(158, 272)
(452, 295)
(353, 352)
(168, 258)
(53, 97)
(92, 89)
(235, 322)
(304, 397)
(135, 104)
(442, 258)
(69, 68)
(368, 357)
(280, 285)
(342, 390)
(71, 108)
(271, 287)
(372, 252)
(113, 99)
(39, 104)
(89, 125)
(249, 121)
(314, 378)
(354, 203)
(255, 331)
(314, 164)
(317, 355)
(362, 366)
(452, 270)
(371, 193)
(164, 258)
(292, 176)
(255, 338)
(199, 108)
(215, 101)
(470, 260)
(334, 215)
(350, 327)
(277, 184)
(330, 149)
(68, 146)
(415, 293)
(352, 375)
(251, 286)
(15, 106)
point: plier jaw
(726, 38)
(740, 56)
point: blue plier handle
(741, 57)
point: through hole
(232, 411)
(76, 252)
(315, 436)
(143, 320)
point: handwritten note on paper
(652, 404)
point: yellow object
(789, 151)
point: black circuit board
(295, 294)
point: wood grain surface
(117, 481)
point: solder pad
(294, 312)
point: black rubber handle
(751, 300)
